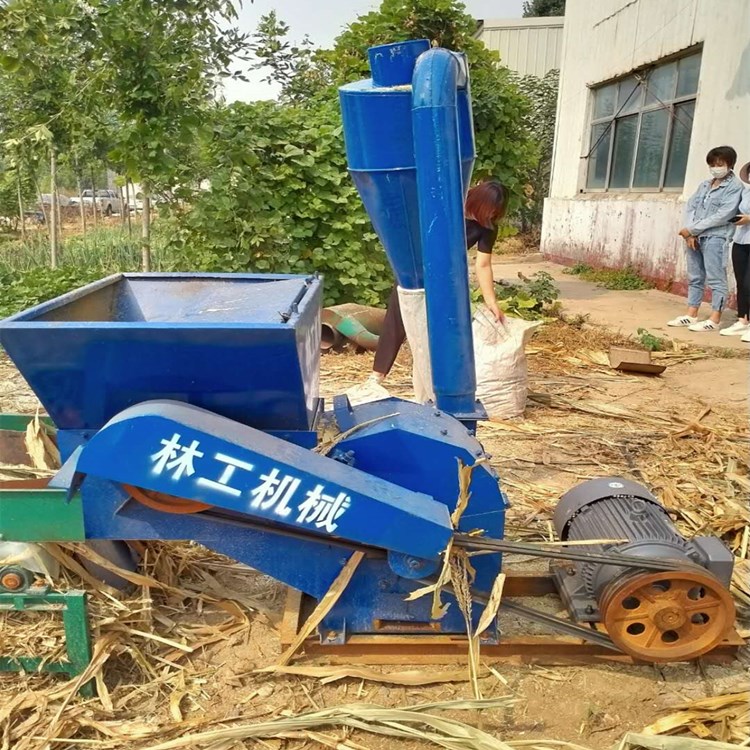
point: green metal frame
(77, 637)
(19, 422)
(43, 515)
(40, 516)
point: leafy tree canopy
(543, 8)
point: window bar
(613, 131)
(635, 151)
(667, 144)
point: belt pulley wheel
(670, 616)
(163, 502)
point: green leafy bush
(540, 122)
(281, 201)
(22, 289)
(530, 299)
(26, 280)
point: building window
(640, 129)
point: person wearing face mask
(707, 233)
(741, 261)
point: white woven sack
(502, 373)
(414, 315)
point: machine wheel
(116, 552)
(671, 616)
(163, 502)
(14, 579)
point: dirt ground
(567, 436)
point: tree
(44, 44)
(162, 64)
(540, 121)
(504, 149)
(543, 8)
(281, 198)
(299, 69)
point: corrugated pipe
(358, 323)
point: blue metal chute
(245, 346)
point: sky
(323, 21)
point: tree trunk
(123, 207)
(93, 198)
(53, 247)
(21, 214)
(41, 204)
(81, 207)
(146, 232)
(126, 208)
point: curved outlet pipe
(437, 76)
(358, 323)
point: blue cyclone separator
(410, 148)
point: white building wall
(607, 39)
(529, 46)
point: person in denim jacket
(707, 233)
(741, 262)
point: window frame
(671, 105)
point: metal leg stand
(72, 604)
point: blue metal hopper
(242, 346)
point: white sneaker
(704, 325)
(682, 321)
(736, 329)
(746, 337)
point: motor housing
(647, 611)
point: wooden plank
(290, 620)
(435, 648)
(529, 584)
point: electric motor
(664, 616)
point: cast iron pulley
(163, 502)
(671, 616)
(14, 579)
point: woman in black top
(485, 207)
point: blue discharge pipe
(437, 150)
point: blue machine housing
(204, 387)
(245, 346)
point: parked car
(62, 200)
(107, 201)
(135, 203)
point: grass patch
(615, 279)
(651, 342)
(104, 250)
(27, 280)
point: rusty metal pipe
(358, 323)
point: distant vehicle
(62, 200)
(107, 201)
(135, 203)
